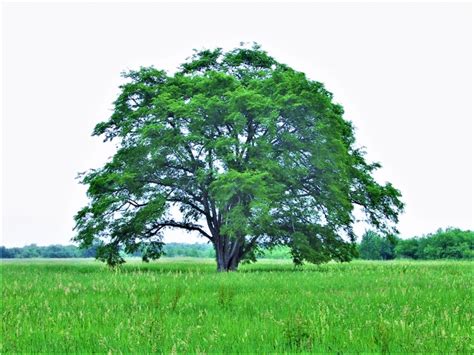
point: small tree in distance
(376, 247)
(253, 154)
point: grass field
(179, 305)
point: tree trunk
(228, 253)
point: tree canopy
(375, 247)
(252, 153)
(450, 243)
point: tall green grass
(185, 306)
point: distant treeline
(50, 251)
(196, 250)
(72, 251)
(450, 243)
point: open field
(183, 305)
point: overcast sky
(402, 72)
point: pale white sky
(403, 73)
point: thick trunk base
(231, 266)
(228, 254)
(227, 262)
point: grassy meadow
(183, 305)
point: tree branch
(192, 205)
(182, 225)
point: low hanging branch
(187, 226)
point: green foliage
(190, 250)
(451, 243)
(171, 250)
(407, 248)
(279, 252)
(376, 247)
(72, 251)
(247, 146)
(182, 306)
(50, 251)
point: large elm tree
(251, 153)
